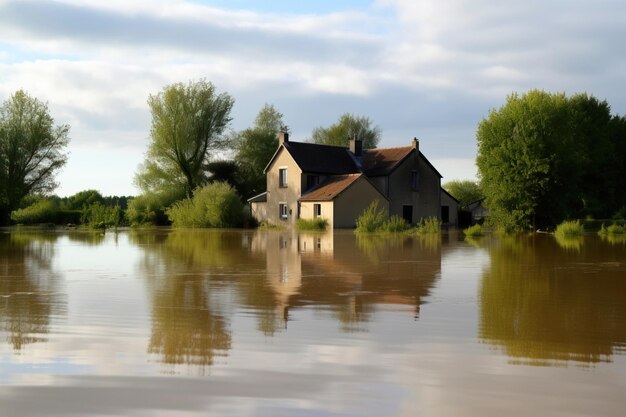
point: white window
(283, 210)
(317, 210)
(282, 177)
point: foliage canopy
(465, 191)
(547, 157)
(254, 148)
(187, 121)
(348, 127)
(31, 150)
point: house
(449, 209)
(477, 210)
(306, 180)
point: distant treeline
(87, 207)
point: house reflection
(548, 305)
(28, 287)
(348, 275)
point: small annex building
(306, 180)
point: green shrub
(214, 205)
(312, 224)
(98, 216)
(395, 224)
(429, 225)
(570, 228)
(150, 208)
(42, 211)
(372, 219)
(614, 229)
(473, 231)
(69, 216)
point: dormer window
(282, 177)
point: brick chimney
(282, 137)
(356, 147)
(416, 144)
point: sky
(430, 69)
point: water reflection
(573, 243)
(271, 274)
(187, 326)
(545, 306)
(28, 287)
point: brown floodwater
(281, 323)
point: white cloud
(427, 68)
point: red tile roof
(331, 188)
(381, 161)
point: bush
(41, 211)
(473, 231)
(614, 229)
(428, 226)
(150, 208)
(98, 216)
(372, 219)
(312, 224)
(214, 205)
(570, 228)
(395, 224)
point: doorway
(407, 214)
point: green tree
(254, 148)
(465, 191)
(31, 150)
(348, 127)
(81, 199)
(187, 121)
(543, 158)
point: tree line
(542, 158)
(191, 148)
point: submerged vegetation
(613, 230)
(569, 229)
(312, 224)
(429, 226)
(372, 219)
(473, 231)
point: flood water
(279, 323)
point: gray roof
(324, 159)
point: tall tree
(187, 121)
(465, 191)
(32, 150)
(254, 148)
(348, 127)
(541, 157)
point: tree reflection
(28, 296)
(187, 326)
(546, 306)
(197, 279)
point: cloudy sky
(426, 68)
